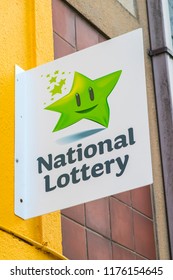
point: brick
(121, 223)
(98, 216)
(99, 248)
(102, 38)
(120, 253)
(144, 236)
(124, 197)
(76, 213)
(138, 257)
(74, 240)
(61, 47)
(64, 21)
(141, 200)
(86, 35)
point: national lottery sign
(81, 127)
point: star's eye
(91, 93)
(78, 101)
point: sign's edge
(19, 154)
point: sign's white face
(82, 127)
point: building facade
(100, 226)
(132, 225)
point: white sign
(82, 127)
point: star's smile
(86, 110)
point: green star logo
(87, 99)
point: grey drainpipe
(159, 54)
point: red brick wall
(116, 227)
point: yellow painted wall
(25, 40)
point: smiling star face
(87, 99)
